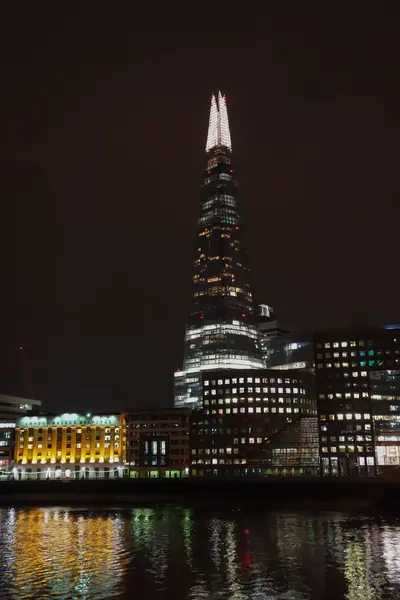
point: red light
(244, 315)
(236, 227)
(246, 532)
(208, 172)
(230, 170)
(201, 316)
(21, 348)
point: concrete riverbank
(324, 493)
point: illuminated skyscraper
(221, 332)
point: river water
(174, 552)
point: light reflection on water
(176, 552)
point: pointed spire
(225, 136)
(212, 137)
(218, 126)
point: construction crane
(27, 372)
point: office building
(385, 407)
(357, 399)
(11, 409)
(281, 347)
(157, 442)
(251, 421)
(221, 332)
(69, 446)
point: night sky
(103, 119)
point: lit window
(327, 345)
(339, 417)
(324, 449)
(249, 380)
(207, 382)
(344, 344)
(250, 409)
(251, 440)
(335, 344)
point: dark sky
(103, 118)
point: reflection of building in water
(54, 553)
(359, 578)
(69, 446)
(390, 543)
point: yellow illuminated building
(69, 446)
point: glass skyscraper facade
(221, 331)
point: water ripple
(178, 552)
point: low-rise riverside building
(69, 446)
(11, 409)
(158, 442)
